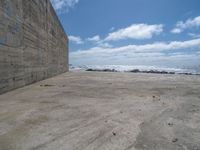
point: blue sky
(132, 32)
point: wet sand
(103, 111)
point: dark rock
(135, 71)
(102, 70)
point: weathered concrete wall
(33, 44)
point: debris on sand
(47, 85)
(114, 133)
(170, 124)
(174, 140)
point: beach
(82, 110)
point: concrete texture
(33, 44)
(103, 111)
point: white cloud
(75, 39)
(104, 45)
(96, 38)
(148, 54)
(176, 30)
(135, 31)
(190, 23)
(112, 28)
(194, 35)
(63, 5)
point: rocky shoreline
(141, 71)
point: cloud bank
(104, 50)
(161, 53)
(155, 47)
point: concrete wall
(33, 44)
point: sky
(132, 32)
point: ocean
(129, 68)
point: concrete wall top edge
(58, 19)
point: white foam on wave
(126, 68)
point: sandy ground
(103, 111)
